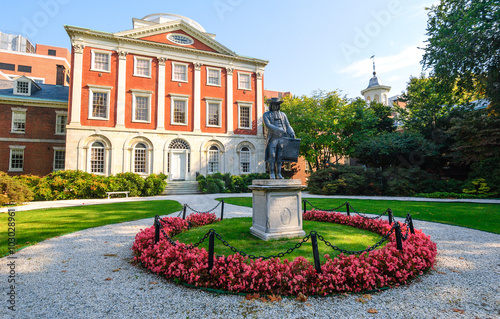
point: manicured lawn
(477, 216)
(37, 225)
(236, 231)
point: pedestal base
(276, 209)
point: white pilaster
(229, 101)
(160, 111)
(122, 80)
(76, 93)
(260, 127)
(197, 97)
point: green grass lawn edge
(34, 226)
(485, 217)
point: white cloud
(411, 56)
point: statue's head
(274, 104)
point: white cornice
(376, 88)
(33, 102)
(175, 26)
(87, 37)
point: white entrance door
(178, 166)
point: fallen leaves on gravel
(108, 279)
(301, 297)
(458, 310)
(371, 310)
(110, 255)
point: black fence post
(157, 229)
(410, 223)
(184, 211)
(390, 216)
(314, 241)
(211, 244)
(304, 206)
(347, 207)
(222, 211)
(399, 236)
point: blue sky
(311, 45)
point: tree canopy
(463, 48)
(330, 126)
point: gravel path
(88, 274)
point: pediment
(162, 33)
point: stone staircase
(181, 188)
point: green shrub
(13, 191)
(154, 185)
(478, 187)
(450, 195)
(227, 183)
(129, 182)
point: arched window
(245, 160)
(213, 159)
(376, 98)
(140, 158)
(97, 158)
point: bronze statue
(279, 130)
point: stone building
(166, 97)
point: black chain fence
(313, 235)
(349, 210)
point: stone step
(181, 188)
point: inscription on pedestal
(277, 209)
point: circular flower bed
(380, 268)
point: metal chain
(168, 238)
(346, 203)
(407, 224)
(199, 212)
(369, 217)
(351, 252)
(325, 210)
(200, 242)
(280, 255)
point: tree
(476, 135)
(328, 125)
(463, 48)
(385, 123)
(386, 150)
(428, 107)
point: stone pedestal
(277, 208)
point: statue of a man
(278, 128)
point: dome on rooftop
(167, 17)
(373, 81)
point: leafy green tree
(385, 122)
(329, 125)
(428, 107)
(463, 48)
(476, 135)
(405, 149)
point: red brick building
(166, 97)
(33, 121)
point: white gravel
(88, 274)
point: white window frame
(18, 110)
(218, 159)
(59, 115)
(249, 81)
(250, 106)
(16, 92)
(58, 149)
(185, 73)
(141, 93)
(99, 89)
(16, 148)
(105, 157)
(92, 64)
(209, 101)
(178, 97)
(136, 58)
(146, 158)
(219, 71)
(249, 160)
